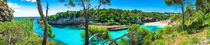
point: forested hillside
(116, 16)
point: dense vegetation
(98, 34)
(119, 16)
(70, 14)
(20, 32)
(116, 16)
(41, 25)
(196, 29)
(140, 36)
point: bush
(102, 34)
(207, 35)
(158, 42)
(50, 34)
(168, 30)
(20, 32)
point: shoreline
(110, 28)
(164, 23)
(121, 27)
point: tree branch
(104, 41)
(93, 36)
(119, 37)
(47, 9)
(39, 6)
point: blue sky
(28, 7)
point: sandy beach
(164, 23)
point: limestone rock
(5, 15)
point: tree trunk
(44, 20)
(86, 23)
(86, 28)
(182, 6)
(131, 40)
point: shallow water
(70, 35)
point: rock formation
(5, 15)
(5, 12)
(67, 21)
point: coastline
(116, 27)
(164, 23)
(122, 27)
(110, 27)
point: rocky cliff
(5, 15)
(67, 21)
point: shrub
(20, 32)
(50, 34)
(168, 30)
(158, 42)
(102, 34)
(207, 35)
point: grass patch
(191, 40)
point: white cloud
(31, 11)
(25, 12)
(13, 5)
(29, 0)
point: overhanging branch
(93, 36)
(119, 37)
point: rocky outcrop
(67, 21)
(5, 15)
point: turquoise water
(70, 35)
(152, 27)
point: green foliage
(119, 16)
(115, 16)
(70, 14)
(147, 36)
(203, 5)
(141, 36)
(176, 18)
(41, 25)
(16, 31)
(195, 19)
(133, 27)
(168, 30)
(158, 42)
(20, 32)
(207, 35)
(173, 2)
(124, 41)
(102, 34)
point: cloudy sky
(26, 8)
